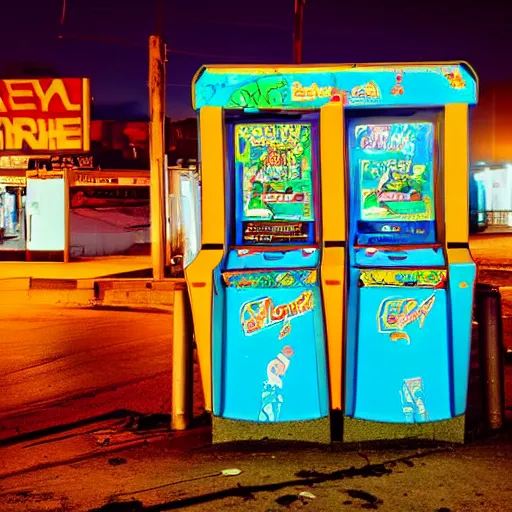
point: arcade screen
(396, 178)
(274, 169)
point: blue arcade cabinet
(410, 276)
(269, 364)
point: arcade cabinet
(257, 286)
(277, 281)
(410, 276)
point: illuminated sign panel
(14, 162)
(13, 180)
(47, 115)
(311, 87)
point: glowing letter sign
(47, 115)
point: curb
(140, 294)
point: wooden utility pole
(157, 153)
(182, 396)
(297, 30)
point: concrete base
(230, 431)
(452, 430)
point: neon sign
(44, 114)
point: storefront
(12, 208)
(491, 197)
(109, 212)
(15, 218)
(13, 188)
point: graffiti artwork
(365, 94)
(396, 170)
(75, 162)
(398, 88)
(454, 77)
(270, 279)
(275, 161)
(303, 93)
(395, 314)
(263, 314)
(271, 396)
(427, 278)
(394, 138)
(412, 396)
(268, 91)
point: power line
(101, 39)
(126, 42)
(283, 28)
(193, 18)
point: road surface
(492, 249)
(58, 366)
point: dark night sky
(106, 40)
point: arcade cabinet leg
(451, 431)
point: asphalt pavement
(86, 393)
(116, 467)
(63, 365)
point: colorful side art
(394, 315)
(294, 88)
(271, 396)
(432, 278)
(412, 395)
(271, 279)
(263, 314)
(275, 161)
(396, 171)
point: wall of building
(107, 231)
(125, 144)
(491, 124)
